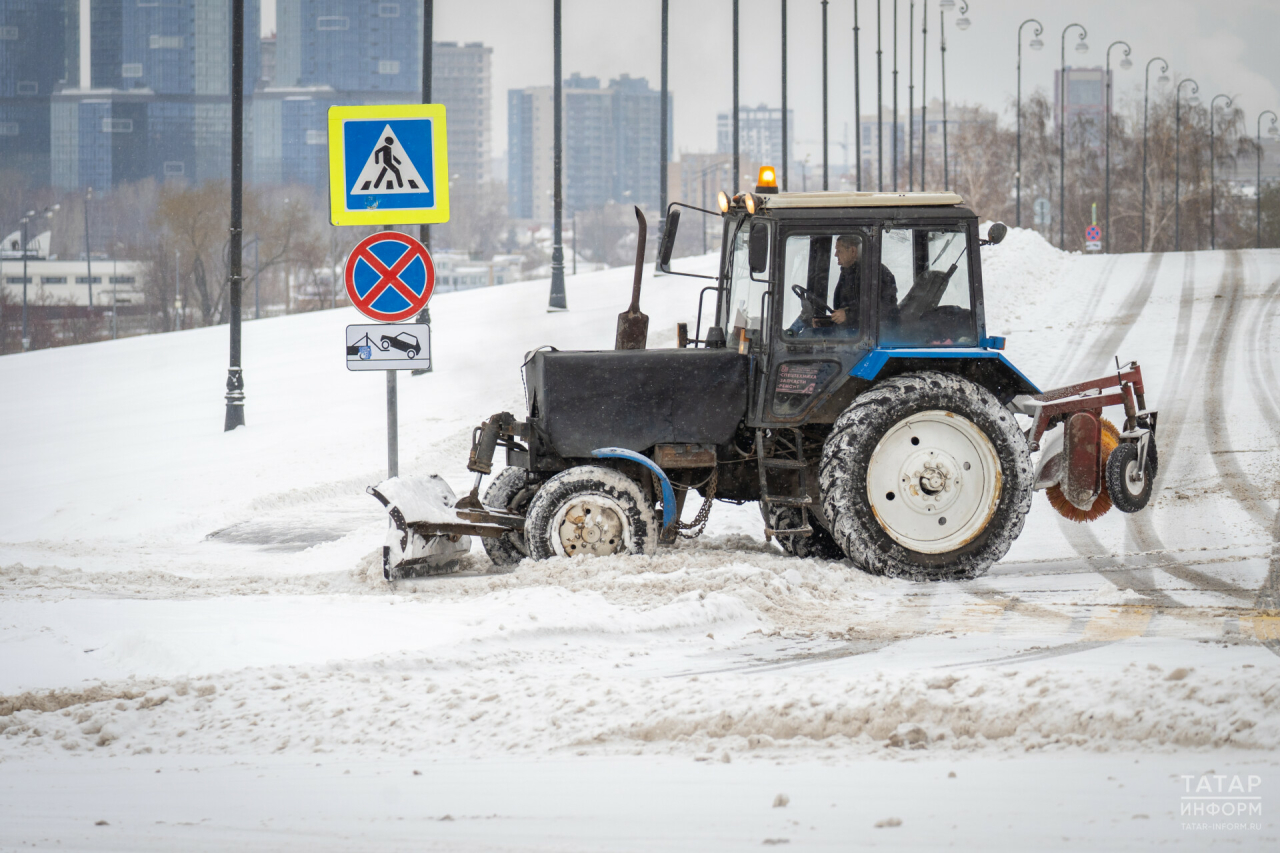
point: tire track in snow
(1093, 361)
(1262, 370)
(1094, 299)
(1141, 526)
(1217, 432)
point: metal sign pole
(393, 427)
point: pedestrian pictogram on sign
(389, 169)
(388, 165)
(389, 276)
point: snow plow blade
(430, 532)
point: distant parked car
(403, 341)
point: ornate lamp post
(1164, 78)
(825, 144)
(1213, 187)
(1177, 158)
(737, 165)
(1036, 44)
(1126, 64)
(1273, 130)
(1081, 47)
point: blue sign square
(385, 164)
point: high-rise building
(611, 146)
(759, 134)
(462, 80)
(1086, 94)
(151, 92)
(361, 52)
(33, 60)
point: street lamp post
(962, 23)
(893, 136)
(88, 260)
(1146, 91)
(1126, 64)
(825, 143)
(1257, 193)
(1036, 44)
(737, 164)
(857, 100)
(558, 300)
(47, 213)
(1081, 47)
(879, 103)
(1177, 159)
(911, 96)
(1213, 188)
(785, 153)
(235, 376)
(924, 85)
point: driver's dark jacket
(849, 291)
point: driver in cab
(848, 292)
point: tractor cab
(812, 285)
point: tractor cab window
(934, 300)
(744, 308)
(822, 285)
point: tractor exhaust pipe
(633, 325)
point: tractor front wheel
(589, 510)
(926, 477)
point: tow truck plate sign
(388, 164)
(389, 346)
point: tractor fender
(668, 493)
(984, 366)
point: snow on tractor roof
(860, 199)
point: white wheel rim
(589, 525)
(934, 482)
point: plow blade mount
(421, 539)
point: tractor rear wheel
(511, 490)
(926, 477)
(590, 510)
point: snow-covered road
(174, 597)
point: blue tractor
(845, 381)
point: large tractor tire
(589, 510)
(819, 544)
(511, 490)
(926, 477)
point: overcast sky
(1227, 46)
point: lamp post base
(235, 400)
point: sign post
(389, 165)
(1093, 234)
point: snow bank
(1018, 275)
(484, 701)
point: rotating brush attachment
(1102, 503)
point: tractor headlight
(722, 201)
(749, 200)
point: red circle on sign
(389, 276)
(1093, 233)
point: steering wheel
(814, 301)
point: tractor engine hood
(635, 399)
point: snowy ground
(197, 647)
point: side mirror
(996, 233)
(668, 243)
(758, 250)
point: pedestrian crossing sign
(388, 165)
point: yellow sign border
(338, 213)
